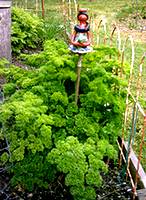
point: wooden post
(5, 27)
(43, 8)
(36, 6)
(26, 4)
(79, 66)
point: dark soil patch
(113, 188)
(55, 191)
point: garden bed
(113, 188)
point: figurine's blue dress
(81, 37)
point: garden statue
(80, 40)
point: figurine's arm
(79, 44)
(73, 37)
(73, 42)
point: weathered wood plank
(141, 172)
(141, 194)
(5, 4)
(5, 33)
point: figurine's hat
(82, 11)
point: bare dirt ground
(138, 35)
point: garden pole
(43, 8)
(26, 4)
(36, 6)
(79, 66)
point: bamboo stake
(93, 24)
(111, 37)
(76, 7)
(140, 154)
(116, 29)
(97, 35)
(144, 124)
(128, 91)
(36, 6)
(92, 28)
(132, 58)
(118, 37)
(137, 104)
(131, 136)
(79, 66)
(96, 32)
(130, 176)
(105, 30)
(64, 12)
(103, 23)
(26, 4)
(69, 9)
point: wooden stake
(36, 6)
(79, 66)
(69, 9)
(25, 4)
(128, 90)
(76, 7)
(43, 8)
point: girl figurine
(80, 40)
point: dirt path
(138, 35)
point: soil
(113, 188)
(139, 35)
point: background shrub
(27, 30)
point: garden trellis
(131, 128)
(35, 6)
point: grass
(111, 10)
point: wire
(6, 148)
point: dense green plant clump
(27, 30)
(48, 133)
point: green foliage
(80, 168)
(27, 30)
(132, 14)
(33, 170)
(48, 133)
(54, 24)
(129, 10)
